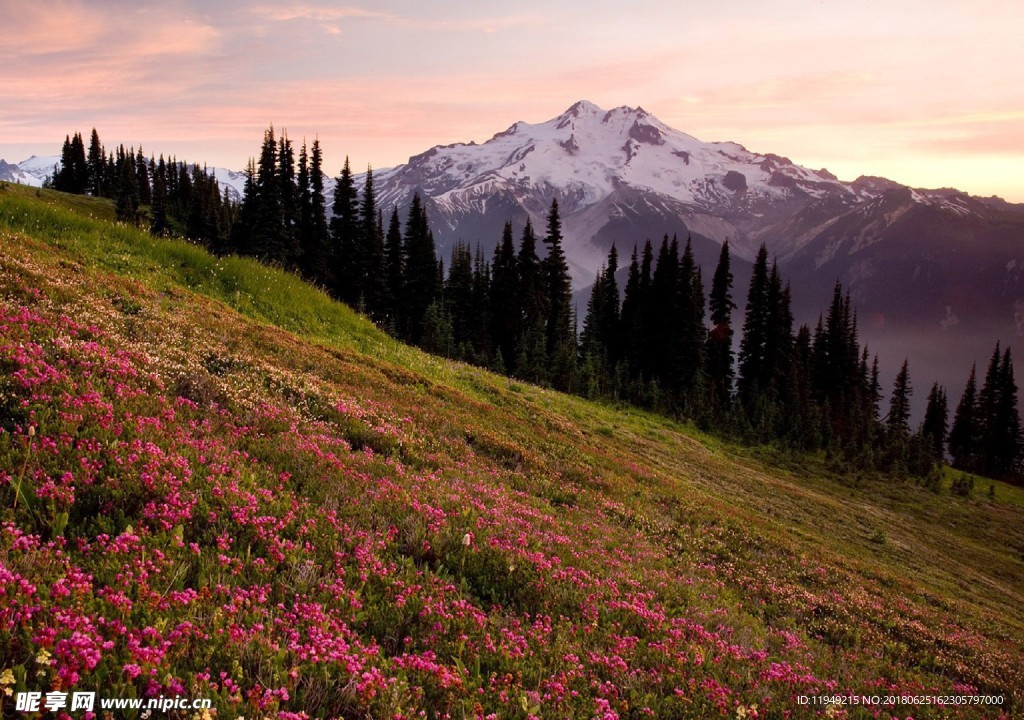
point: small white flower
(467, 539)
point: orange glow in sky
(930, 94)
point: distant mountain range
(37, 169)
(33, 171)
(937, 275)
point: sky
(927, 93)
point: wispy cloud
(318, 13)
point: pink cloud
(312, 12)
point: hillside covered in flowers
(217, 482)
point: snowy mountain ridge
(623, 176)
(592, 151)
(35, 170)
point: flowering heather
(196, 503)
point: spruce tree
(632, 318)
(72, 176)
(143, 179)
(480, 313)
(458, 299)
(243, 228)
(371, 252)
(755, 332)
(1004, 441)
(719, 345)
(936, 420)
(127, 201)
(610, 309)
(344, 236)
(690, 366)
(422, 283)
(96, 161)
(778, 338)
(288, 253)
(899, 404)
(532, 361)
(506, 301)
(1009, 443)
(158, 213)
(266, 235)
(79, 165)
(963, 435)
(593, 350)
(561, 341)
(989, 403)
(664, 347)
(318, 234)
(394, 273)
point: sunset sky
(928, 93)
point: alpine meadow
(220, 482)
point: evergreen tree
(561, 341)
(73, 173)
(437, 335)
(480, 304)
(998, 419)
(664, 345)
(96, 162)
(287, 243)
(936, 419)
(394, 272)
(719, 344)
(963, 435)
(689, 367)
(371, 252)
(344, 234)
(127, 201)
(755, 332)
(593, 350)
(143, 179)
(778, 338)
(506, 301)
(1006, 443)
(266, 234)
(158, 212)
(989, 402)
(609, 309)
(458, 300)
(532, 361)
(837, 367)
(318, 237)
(244, 226)
(899, 404)
(422, 284)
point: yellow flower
(43, 657)
(7, 678)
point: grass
(877, 578)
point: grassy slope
(617, 521)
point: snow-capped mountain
(35, 170)
(937, 275)
(32, 172)
(619, 175)
(231, 180)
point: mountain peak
(581, 107)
